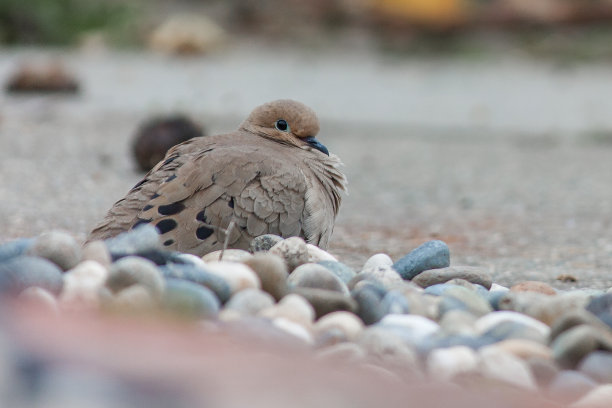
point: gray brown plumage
(271, 176)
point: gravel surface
(507, 161)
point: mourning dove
(271, 176)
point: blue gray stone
(141, 239)
(198, 275)
(15, 248)
(22, 272)
(394, 302)
(438, 289)
(601, 307)
(190, 300)
(508, 329)
(441, 275)
(369, 299)
(431, 255)
(461, 298)
(342, 271)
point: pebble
(569, 385)
(140, 239)
(369, 303)
(293, 251)
(525, 349)
(89, 270)
(229, 255)
(375, 262)
(345, 273)
(15, 248)
(513, 330)
(190, 300)
(43, 78)
(187, 34)
(601, 307)
(135, 270)
(329, 338)
(571, 346)
(598, 397)
(294, 329)
(442, 275)
(311, 275)
(349, 324)
(496, 293)
(292, 307)
(22, 272)
(431, 255)
(598, 366)
(316, 254)
(98, 252)
(264, 242)
(197, 274)
(458, 323)
(394, 302)
(411, 328)
(575, 318)
(447, 363)
(534, 286)
(343, 352)
(40, 298)
(500, 365)
(327, 301)
(58, 247)
(464, 299)
(544, 307)
(544, 371)
(250, 301)
(237, 275)
(388, 349)
(272, 273)
(489, 321)
(133, 299)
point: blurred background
(485, 123)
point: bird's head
(286, 121)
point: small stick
(228, 232)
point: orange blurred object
(427, 12)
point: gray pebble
(543, 307)
(571, 346)
(391, 351)
(196, 274)
(430, 255)
(575, 318)
(326, 301)
(22, 272)
(58, 247)
(15, 248)
(141, 239)
(264, 242)
(369, 300)
(598, 366)
(312, 275)
(508, 329)
(394, 302)
(438, 289)
(250, 301)
(468, 273)
(272, 273)
(190, 300)
(339, 269)
(601, 307)
(569, 385)
(135, 270)
(293, 250)
(463, 299)
(458, 322)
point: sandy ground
(507, 160)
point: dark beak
(316, 144)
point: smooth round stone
(316, 254)
(89, 270)
(394, 302)
(349, 324)
(438, 289)
(500, 365)
(471, 274)
(312, 275)
(598, 397)
(415, 329)
(79, 294)
(463, 299)
(237, 275)
(294, 329)
(512, 330)
(190, 300)
(339, 269)
(58, 247)
(292, 307)
(525, 349)
(250, 301)
(22, 272)
(329, 338)
(598, 366)
(272, 273)
(196, 274)
(544, 307)
(387, 276)
(132, 270)
(134, 299)
(534, 286)
(601, 307)
(369, 301)
(458, 323)
(229, 255)
(15, 248)
(327, 301)
(544, 371)
(570, 385)
(489, 321)
(264, 242)
(389, 349)
(444, 341)
(375, 262)
(293, 250)
(573, 319)
(40, 298)
(445, 364)
(98, 252)
(495, 296)
(342, 352)
(431, 255)
(140, 239)
(571, 346)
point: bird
(270, 176)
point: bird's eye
(282, 125)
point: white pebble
(346, 322)
(237, 275)
(500, 365)
(446, 363)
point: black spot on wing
(154, 196)
(147, 207)
(231, 202)
(166, 225)
(172, 177)
(171, 209)
(201, 216)
(204, 232)
(168, 242)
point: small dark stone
(431, 255)
(204, 232)
(166, 225)
(22, 272)
(171, 209)
(369, 301)
(156, 136)
(49, 77)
